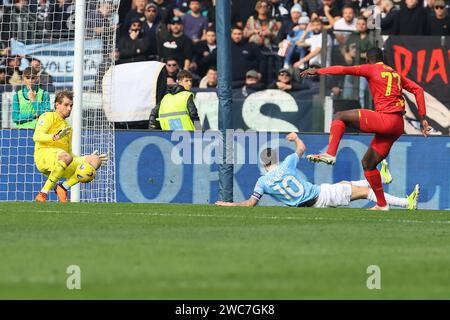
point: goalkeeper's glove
(62, 133)
(103, 157)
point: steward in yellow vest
(177, 110)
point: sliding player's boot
(323, 157)
(61, 192)
(385, 173)
(41, 197)
(413, 198)
(378, 208)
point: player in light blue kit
(284, 184)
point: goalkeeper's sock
(55, 175)
(69, 183)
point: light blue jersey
(285, 184)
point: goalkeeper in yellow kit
(53, 151)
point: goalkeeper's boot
(378, 208)
(61, 192)
(385, 173)
(41, 197)
(323, 157)
(413, 198)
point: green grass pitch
(143, 251)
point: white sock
(360, 183)
(391, 200)
(365, 183)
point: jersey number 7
(389, 76)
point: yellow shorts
(46, 158)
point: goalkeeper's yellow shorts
(46, 158)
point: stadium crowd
(271, 39)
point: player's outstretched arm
(299, 145)
(251, 202)
(419, 94)
(351, 70)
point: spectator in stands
(277, 11)
(100, 21)
(30, 101)
(43, 78)
(355, 53)
(3, 80)
(133, 47)
(172, 70)
(165, 10)
(391, 14)
(195, 25)
(180, 7)
(241, 11)
(260, 29)
(252, 83)
(307, 6)
(19, 21)
(346, 23)
(13, 73)
(295, 36)
(315, 46)
(285, 82)
(373, 14)
(4, 52)
(170, 113)
(176, 44)
(328, 13)
(289, 24)
(62, 19)
(152, 28)
(210, 80)
(412, 19)
(203, 53)
(429, 8)
(439, 24)
(248, 55)
(44, 19)
(135, 14)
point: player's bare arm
(251, 202)
(299, 145)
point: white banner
(129, 91)
(58, 59)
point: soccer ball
(85, 173)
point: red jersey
(385, 84)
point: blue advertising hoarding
(149, 167)
(147, 172)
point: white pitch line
(197, 215)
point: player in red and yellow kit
(386, 121)
(53, 151)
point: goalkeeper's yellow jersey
(49, 124)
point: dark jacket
(388, 23)
(248, 57)
(438, 27)
(133, 50)
(411, 22)
(192, 109)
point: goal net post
(42, 34)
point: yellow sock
(55, 175)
